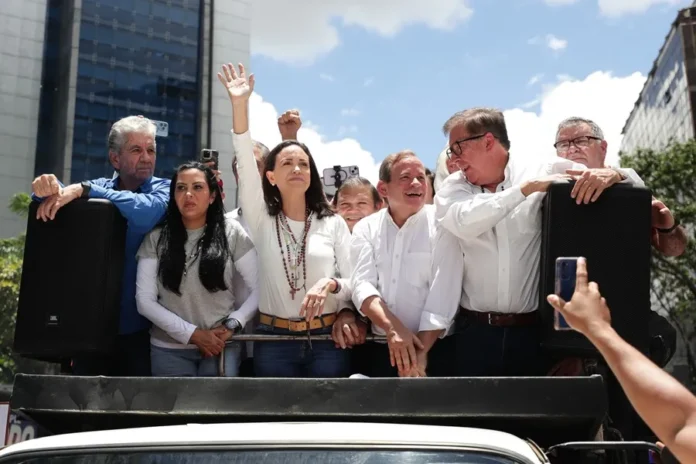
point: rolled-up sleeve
(364, 279)
(447, 272)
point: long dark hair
(214, 252)
(314, 196)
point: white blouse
(328, 244)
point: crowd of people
(444, 264)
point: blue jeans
(296, 359)
(173, 362)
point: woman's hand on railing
(208, 342)
(348, 331)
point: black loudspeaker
(70, 292)
(613, 234)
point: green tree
(670, 175)
(11, 255)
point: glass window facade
(137, 57)
(663, 112)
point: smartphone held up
(209, 156)
(566, 271)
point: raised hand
(289, 124)
(587, 312)
(239, 87)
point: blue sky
(396, 73)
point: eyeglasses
(456, 148)
(580, 142)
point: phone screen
(566, 269)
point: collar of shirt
(115, 183)
(410, 221)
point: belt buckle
(295, 324)
(490, 318)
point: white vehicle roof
(290, 433)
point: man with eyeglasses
(493, 205)
(582, 141)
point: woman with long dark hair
(300, 242)
(184, 282)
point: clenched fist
(289, 124)
(45, 185)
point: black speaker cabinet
(614, 235)
(70, 292)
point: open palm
(238, 86)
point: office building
(22, 25)
(664, 110)
(96, 61)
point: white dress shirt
(416, 269)
(328, 244)
(500, 233)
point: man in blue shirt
(142, 200)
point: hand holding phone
(566, 275)
(209, 156)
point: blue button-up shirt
(143, 210)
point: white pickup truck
(280, 443)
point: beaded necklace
(295, 250)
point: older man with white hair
(582, 141)
(142, 200)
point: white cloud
(297, 32)
(602, 97)
(350, 112)
(554, 43)
(326, 77)
(550, 40)
(326, 153)
(369, 81)
(534, 79)
(620, 7)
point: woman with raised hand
(184, 280)
(300, 242)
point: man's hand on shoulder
(45, 185)
(49, 206)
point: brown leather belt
(299, 325)
(502, 319)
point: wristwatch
(338, 286)
(671, 229)
(233, 325)
(86, 187)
